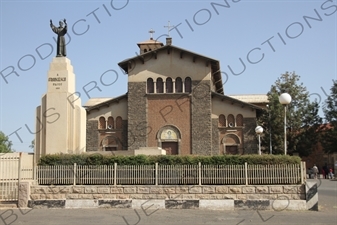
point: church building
(175, 102)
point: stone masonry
(269, 192)
(92, 136)
(137, 118)
(201, 122)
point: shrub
(98, 159)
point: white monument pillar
(61, 120)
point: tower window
(150, 86)
(179, 85)
(169, 85)
(188, 85)
(222, 120)
(231, 121)
(160, 85)
(102, 123)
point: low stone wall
(264, 197)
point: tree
(5, 143)
(32, 144)
(329, 131)
(302, 117)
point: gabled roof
(253, 98)
(215, 65)
(105, 103)
(96, 101)
(235, 101)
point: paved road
(327, 195)
(167, 217)
(327, 215)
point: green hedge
(98, 159)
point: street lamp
(270, 145)
(259, 131)
(285, 99)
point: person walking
(330, 173)
(315, 171)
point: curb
(221, 204)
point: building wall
(241, 136)
(114, 109)
(170, 110)
(320, 158)
(113, 136)
(169, 65)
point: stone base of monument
(150, 151)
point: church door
(170, 147)
(232, 150)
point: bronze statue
(61, 43)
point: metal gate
(10, 167)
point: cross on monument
(151, 33)
(168, 28)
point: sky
(254, 41)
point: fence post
(115, 174)
(19, 174)
(156, 174)
(35, 169)
(301, 172)
(75, 167)
(199, 172)
(246, 173)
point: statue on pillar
(61, 43)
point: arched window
(160, 88)
(150, 86)
(179, 85)
(188, 85)
(222, 120)
(111, 122)
(169, 85)
(145, 50)
(239, 120)
(231, 121)
(119, 123)
(102, 123)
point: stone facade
(216, 148)
(201, 118)
(92, 136)
(137, 115)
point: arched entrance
(231, 144)
(169, 138)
